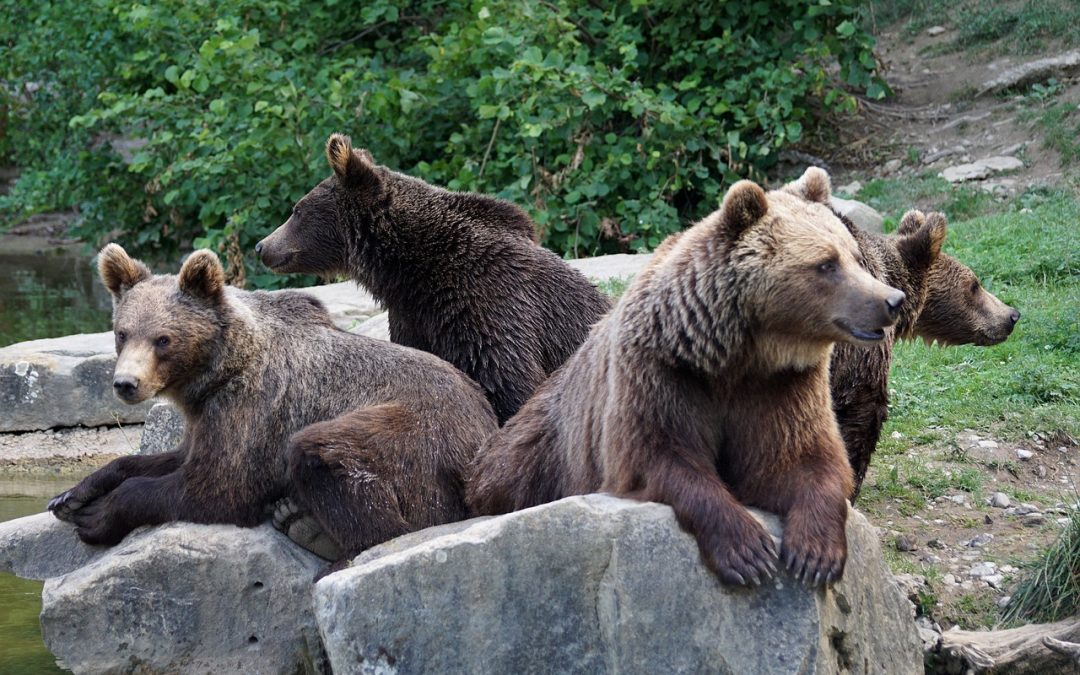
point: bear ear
(921, 237)
(911, 222)
(203, 277)
(744, 205)
(813, 186)
(119, 271)
(352, 167)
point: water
(48, 291)
(21, 649)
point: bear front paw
(740, 552)
(814, 560)
(98, 524)
(65, 504)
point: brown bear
(248, 370)
(944, 302)
(706, 388)
(460, 274)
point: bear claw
(64, 505)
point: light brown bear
(706, 388)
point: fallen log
(1038, 649)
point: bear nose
(258, 248)
(894, 302)
(1014, 316)
(125, 387)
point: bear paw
(65, 504)
(302, 529)
(741, 552)
(812, 561)
(97, 523)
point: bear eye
(121, 335)
(974, 287)
(162, 341)
(827, 267)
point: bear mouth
(277, 261)
(860, 334)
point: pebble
(906, 542)
(987, 519)
(1034, 520)
(934, 31)
(896, 435)
(957, 499)
(1024, 454)
(982, 570)
(994, 580)
(1000, 500)
(948, 579)
(891, 166)
(981, 540)
(988, 445)
(935, 543)
(1003, 601)
(851, 189)
(1022, 510)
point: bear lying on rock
(460, 274)
(706, 388)
(248, 370)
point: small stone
(1003, 601)
(981, 540)
(906, 542)
(1033, 520)
(934, 31)
(1022, 510)
(981, 570)
(987, 519)
(1040, 471)
(891, 166)
(988, 445)
(930, 559)
(957, 499)
(1024, 454)
(935, 543)
(1000, 500)
(1007, 569)
(994, 580)
(948, 579)
(896, 435)
(851, 189)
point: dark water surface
(21, 650)
(49, 292)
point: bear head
(167, 328)
(958, 310)
(315, 237)
(805, 280)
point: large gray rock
(187, 598)
(377, 327)
(40, 547)
(616, 266)
(596, 584)
(162, 431)
(865, 217)
(61, 382)
(980, 169)
(67, 381)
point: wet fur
(249, 371)
(460, 274)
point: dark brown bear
(859, 377)
(945, 302)
(706, 388)
(459, 274)
(249, 370)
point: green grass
(614, 287)
(928, 192)
(1010, 27)
(1060, 124)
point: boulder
(377, 327)
(616, 266)
(598, 584)
(40, 547)
(864, 217)
(187, 598)
(61, 382)
(67, 381)
(981, 169)
(162, 431)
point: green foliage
(614, 123)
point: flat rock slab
(67, 381)
(1033, 71)
(616, 266)
(595, 584)
(187, 598)
(981, 169)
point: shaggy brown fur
(706, 387)
(249, 370)
(460, 274)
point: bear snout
(894, 301)
(126, 387)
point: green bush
(614, 123)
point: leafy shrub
(614, 123)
